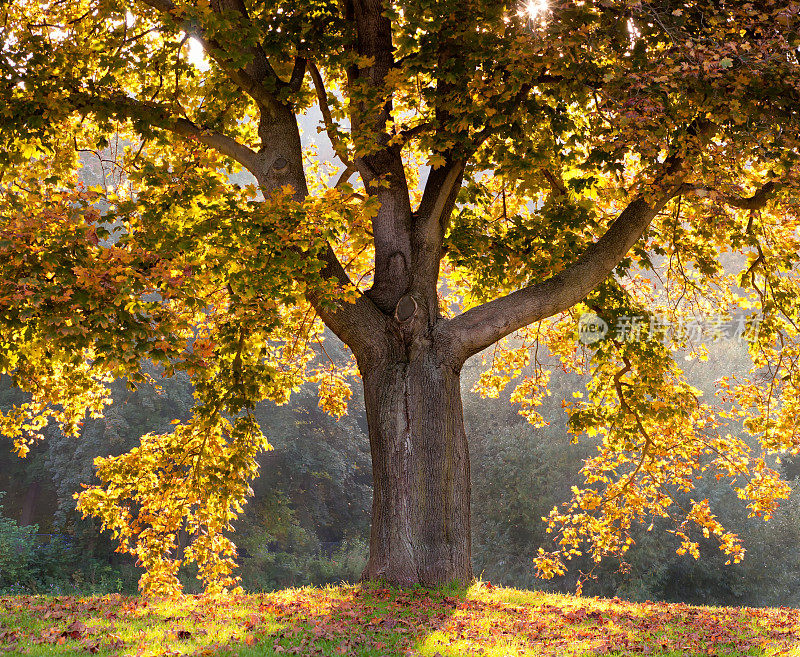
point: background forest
(308, 521)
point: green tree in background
(308, 517)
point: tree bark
(420, 464)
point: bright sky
(197, 55)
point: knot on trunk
(406, 309)
(411, 324)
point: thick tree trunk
(420, 462)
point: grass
(371, 621)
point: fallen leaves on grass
(382, 622)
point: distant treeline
(308, 522)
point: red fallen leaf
(577, 615)
(75, 630)
(114, 642)
(48, 635)
(251, 640)
(251, 622)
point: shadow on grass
(373, 621)
(364, 621)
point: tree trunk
(420, 470)
(29, 504)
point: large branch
(439, 198)
(440, 187)
(355, 323)
(155, 115)
(360, 325)
(380, 166)
(327, 118)
(484, 325)
(754, 202)
(430, 224)
(258, 68)
(252, 76)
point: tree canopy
(500, 171)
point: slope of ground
(370, 621)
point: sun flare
(197, 55)
(536, 8)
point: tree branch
(344, 176)
(410, 133)
(219, 142)
(556, 183)
(298, 73)
(437, 203)
(438, 188)
(355, 323)
(250, 78)
(327, 118)
(155, 115)
(360, 325)
(380, 165)
(430, 224)
(482, 135)
(483, 325)
(754, 202)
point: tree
(512, 162)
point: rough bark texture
(420, 463)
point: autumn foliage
(502, 174)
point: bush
(57, 567)
(268, 570)
(17, 548)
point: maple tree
(502, 168)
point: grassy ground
(378, 622)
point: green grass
(372, 621)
